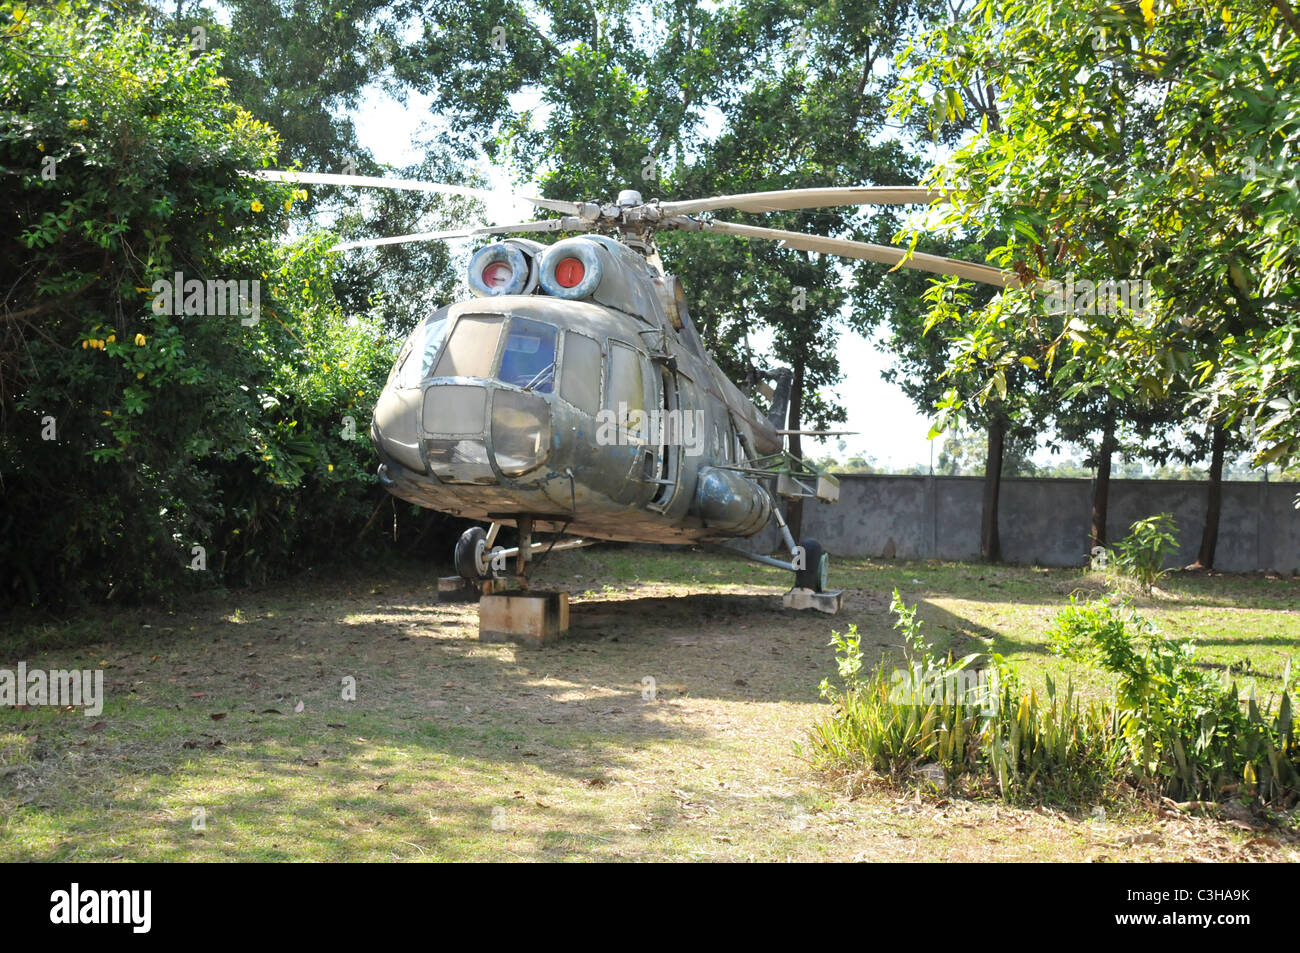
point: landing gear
(473, 561)
(815, 567)
(478, 559)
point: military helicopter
(573, 394)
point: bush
(1140, 556)
(1187, 734)
(128, 437)
(1171, 728)
(998, 737)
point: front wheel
(816, 565)
(471, 555)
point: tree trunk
(1213, 502)
(1101, 486)
(794, 508)
(990, 546)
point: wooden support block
(531, 618)
(460, 589)
(829, 602)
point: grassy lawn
(230, 712)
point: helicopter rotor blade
(885, 254)
(410, 185)
(787, 199)
(566, 224)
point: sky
(887, 424)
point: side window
(421, 350)
(625, 394)
(471, 349)
(580, 379)
(529, 358)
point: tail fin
(781, 397)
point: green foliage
(1171, 727)
(1187, 734)
(1140, 556)
(987, 733)
(170, 430)
(1131, 141)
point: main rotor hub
(630, 198)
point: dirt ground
(667, 726)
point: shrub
(1139, 556)
(1171, 728)
(168, 431)
(1187, 734)
(999, 737)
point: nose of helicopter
(456, 429)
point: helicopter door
(668, 461)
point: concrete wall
(1045, 521)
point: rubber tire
(816, 565)
(467, 553)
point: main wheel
(471, 555)
(816, 564)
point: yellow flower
(1148, 11)
(140, 375)
(40, 147)
(300, 194)
(288, 205)
(139, 340)
(112, 338)
(256, 206)
(331, 468)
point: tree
(1142, 144)
(131, 430)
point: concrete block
(531, 618)
(829, 602)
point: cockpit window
(625, 393)
(472, 347)
(420, 352)
(529, 358)
(580, 380)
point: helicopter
(573, 394)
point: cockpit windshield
(529, 357)
(420, 352)
(527, 360)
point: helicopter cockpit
(478, 383)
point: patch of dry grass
(456, 750)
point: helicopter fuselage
(603, 415)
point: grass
(456, 750)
